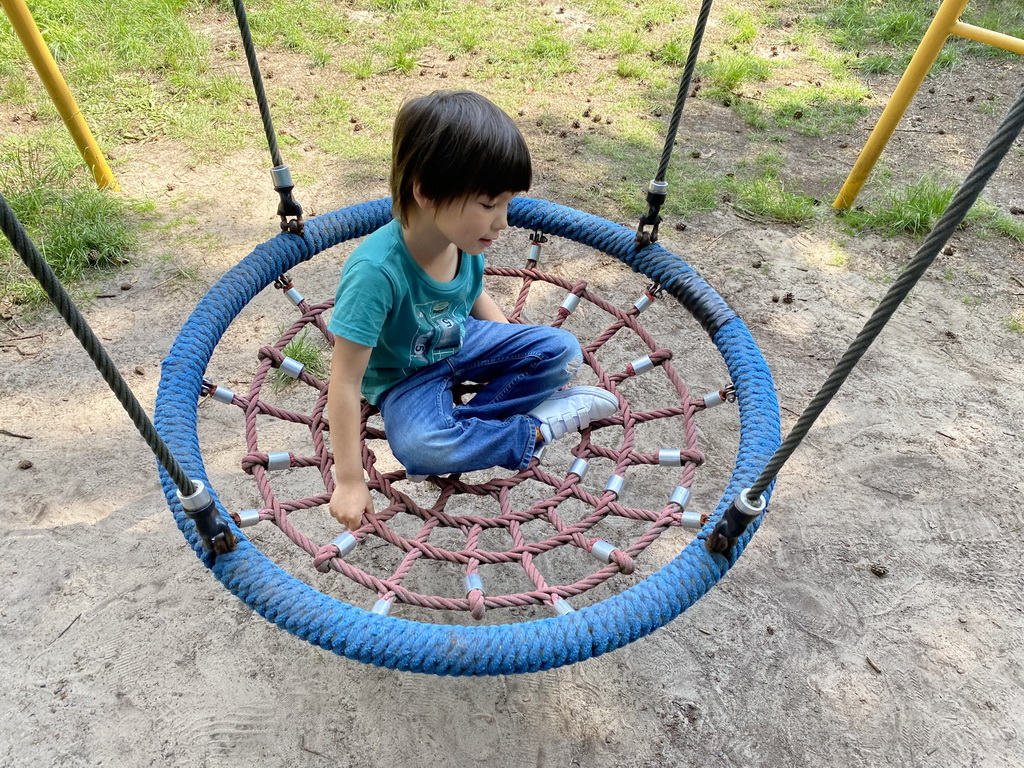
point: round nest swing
(374, 636)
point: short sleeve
(361, 305)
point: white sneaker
(572, 410)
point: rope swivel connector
(212, 528)
(741, 513)
(537, 240)
(217, 392)
(724, 395)
(289, 206)
(651, 293)
(284, 283)
(657, 192)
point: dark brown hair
(455, 144)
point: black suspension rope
(197, 501)
(743, 511)
(257, 82)
(288, 207)
(657, 192)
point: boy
(411, 317)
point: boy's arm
(351, 497)
(486, 308)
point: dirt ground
(875, 619)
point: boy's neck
(426, 244)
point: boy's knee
(569, 355)
(422, 453)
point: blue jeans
(522, 366)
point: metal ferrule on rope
(562, 607)
(741, 513)
(291, 367)
(248, 518)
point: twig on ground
(64, 632)
(14, 434)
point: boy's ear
(422, 200)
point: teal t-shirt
(386, 301)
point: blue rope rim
(465, 650)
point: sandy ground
(874, 620)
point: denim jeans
(521, 366)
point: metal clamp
(345, 543)
(579, 468)
(570, 302)
(248, 518)
(615, 484)
(291, 367)
(692, 520)
(642, 365)
(748, 508)
(670, 458)
(279, 461)
(537, 240)
(217, 392)
(680, 496)
(474, 581)
(562, 606)
(602, 551)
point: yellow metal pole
(940, 29)
(987, 36)
(26, 29)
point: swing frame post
(42, 60)
(946, 22)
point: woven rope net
(530, 513)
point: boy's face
(473, 223)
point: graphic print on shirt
(440, 332)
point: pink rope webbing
(510, 517)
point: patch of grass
(729, 70)
(987, 220)
(767, 198)
(763, 195)
(631, 69)
(674, 51)
(816, 109)
(911, 210)
(876, 64)
(742, 26)
(1015, 322)
(308, 349)
(856, 24)
(77, 228)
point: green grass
(730, 70)
(308, 349)
(154, 70)
(910, 210)
(766, 198)
(78, 229)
